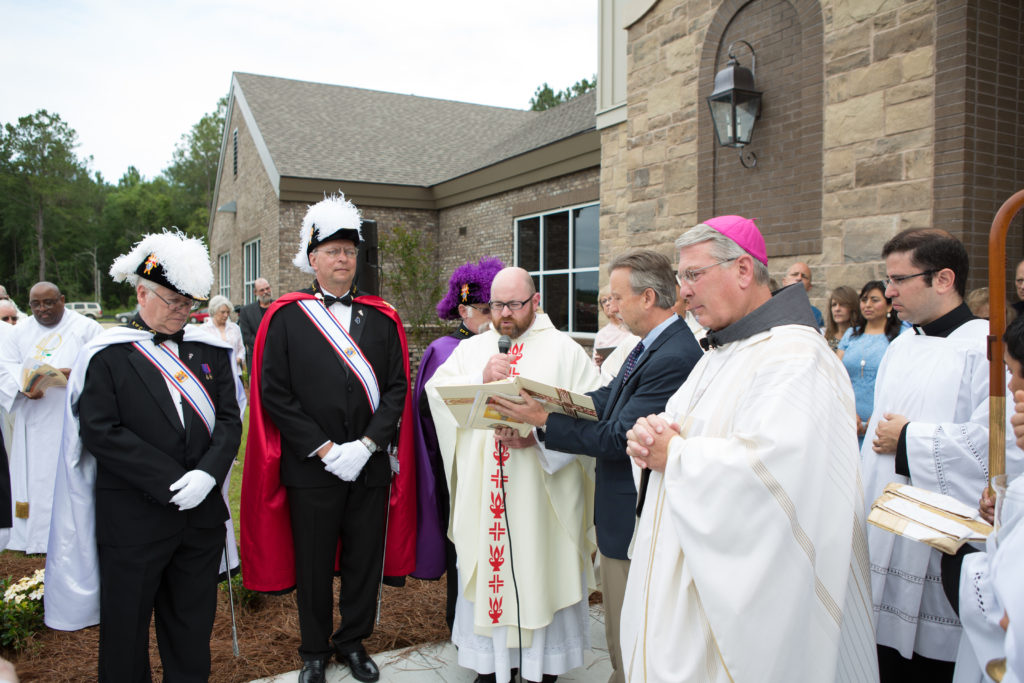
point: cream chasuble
(549, 516)
(941, 385)
(37, 423)
(750, 562)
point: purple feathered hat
(469, 284)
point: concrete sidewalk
(439, 662)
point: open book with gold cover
(472, 408)
(938, 520)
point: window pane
(556, 300)
(585, 303)
(556, 241)
(528, 244)
(585, 237)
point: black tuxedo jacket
(312, 397)
(662, 370)
(249, 318)
(128, 422)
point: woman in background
(862, 347)
(843, 313)
(219, 320)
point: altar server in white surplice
(749, 563)
(54, 336)
(929, 428)
(540, 520)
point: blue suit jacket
(661, 371)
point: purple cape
(431, 530)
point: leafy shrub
(21, 612)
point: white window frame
(224, 274)
(250, 269)
(571, 271)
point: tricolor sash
(345, 346)
(182, 379)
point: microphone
(504, 343)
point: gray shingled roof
(315, 130)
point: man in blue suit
(643, 289)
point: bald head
(516, 278)
(8, 312)
(261, 287)
(798, 272)
(47, 303)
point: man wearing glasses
(929, 428)
(140, 521)
(52, 336)
(520, 514)
(329, 387)
(745, 565)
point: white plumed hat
(168, 258)
(333, 218)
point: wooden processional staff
(996, 327)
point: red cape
(268, 554)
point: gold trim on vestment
(801, 536)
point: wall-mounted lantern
(735, 104)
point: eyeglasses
(512, 305)
(482, 309)
(335, 252)
(43, 303)
(186, 305)
(691, 275)
(899, 279)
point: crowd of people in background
(693, 490)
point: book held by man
(39, 375)
(472, 407)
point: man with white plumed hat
(137, 501)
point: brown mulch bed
(268, 634)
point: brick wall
(257, 212)
(979, 123)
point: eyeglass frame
(691, 275)
(897, 280)
(500, 305)
(194, 306)
(486, 310)
(349, 252)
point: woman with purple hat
(469, 290)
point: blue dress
(862, 355)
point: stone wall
(883, 103)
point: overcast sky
(132, 76)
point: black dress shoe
(313, 671)
(363, 668)
(485, 678)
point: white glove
(349, 462)
(192, 489)
(333, 454)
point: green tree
(49, 202)
(193, 171)
(411, 273)
(546, 98)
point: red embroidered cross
(497, 531)
(494, 479)
(496, 584)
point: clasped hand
(192, 489)
(346, 460)
(647, 442)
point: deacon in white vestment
(929, 428)
(521, 518)
(54, 336)
(749, 562)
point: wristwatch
(370, 444)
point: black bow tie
(160, 337)
(331, 300)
